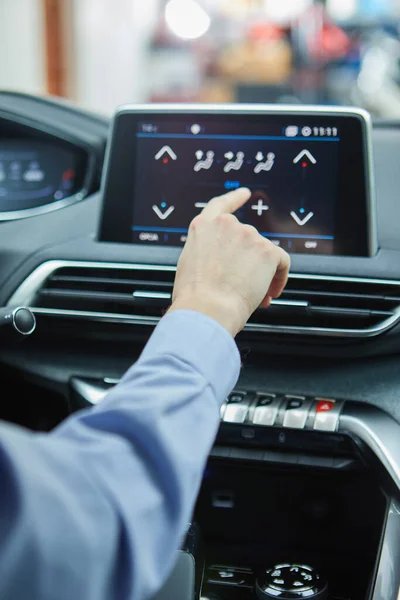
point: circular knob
(291, 582)
(24, 321)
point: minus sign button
(201, 204)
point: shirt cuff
(201, 342)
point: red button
(325, 406)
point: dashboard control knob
(24, 321)
(291, 582)
(19, 320)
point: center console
(299, 500)
(291, 507)
(290, 532)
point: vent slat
(61, 281)
(307, 301)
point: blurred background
(103, 53)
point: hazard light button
(327, 414)
(324, 406)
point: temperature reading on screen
(149, 128)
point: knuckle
(250, 231)
(270, 249)
(268, 245)
(284, 256)
(225, 219)
(196, 223)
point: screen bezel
(118, 174)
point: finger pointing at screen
(227, 269)
(228, 203)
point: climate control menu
(293, 184)
(307, 172)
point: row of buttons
(277, 410)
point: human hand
(227, 269)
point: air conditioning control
(290, 582)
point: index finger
(280, 279)
(226, 204)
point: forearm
(119, 482)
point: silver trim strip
(377, 430)
(41, 210)
(97, 316)
(265, 109)
(152, 295)
(291, 109)
(111, 380)
(92, 394)
(293, 303)
(387, 584)
(25, 296)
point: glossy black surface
(152, 188)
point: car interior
(301, 494)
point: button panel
(267, 409)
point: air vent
(337, 303)
(141, 292)
(310, 305)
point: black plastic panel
(54, 232)
(70, 234)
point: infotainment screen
(309, 171)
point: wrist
(220, 310)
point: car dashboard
(316, 408)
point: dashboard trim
(59, 204)
(362, 422)
(387, 582)
(25, 295)
(378, 431)
(90, 393)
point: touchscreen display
(297, 168)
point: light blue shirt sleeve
(97, 509)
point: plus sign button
(260, 207)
